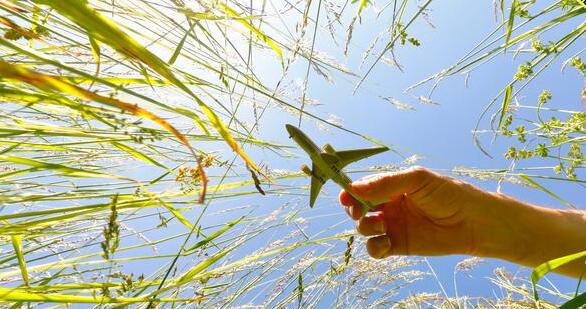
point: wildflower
(521, 133)
(542, 150)
(524, 71)
(578, 64)
(544, 97)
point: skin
(420, 212)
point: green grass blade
(102, 29)
(95, 46)
(361, 6)
(179, 216)
(58, 168)
(17, 245)
(215, 234)
(576, 302)
(12, 295)
(543, 269)
(534, 184)
(138, 155)
(180, 46)
(265, 38)
(506, 103)
(511, 20)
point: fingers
(371, 225)
(379, 247)
(375, 224)
(381, 187)
(352, 207)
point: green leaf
(511, 20)
(215, 234)
(61, 169)
(138, 155)
(17, 294)
(506, 102)
(96, 53)
(265, 38)
(361, 6)
(17, 245)
(179, 216)
(543, 269)
(180, 45)
(187, 276)
(576, 302)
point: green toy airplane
(328, 163)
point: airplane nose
(290, 129)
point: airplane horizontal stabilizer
(348, 156)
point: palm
(427, 226)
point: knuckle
(418, 170)
(386, 178)
(420, 174)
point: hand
(419, 212)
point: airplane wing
(337, 161)
(348, 156)
(317, 181)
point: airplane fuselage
(330, 171)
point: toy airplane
(328, 163)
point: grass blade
(104, 30)
(543, 269)
(17, 245)
(506, 102)
(60, 169)
(215, 234)
(576, 302)
(511, 20)
(138, 155)
(265, 38)
(180, 45)
(12, 295)
(534, 184)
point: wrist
(530, 235)
(496, 227)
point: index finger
(382, 187)
(353, 207)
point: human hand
(418, 212)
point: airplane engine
(329, 149)
(306, 170)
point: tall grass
(113, 118)
(126, 124)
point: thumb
(380, 188)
